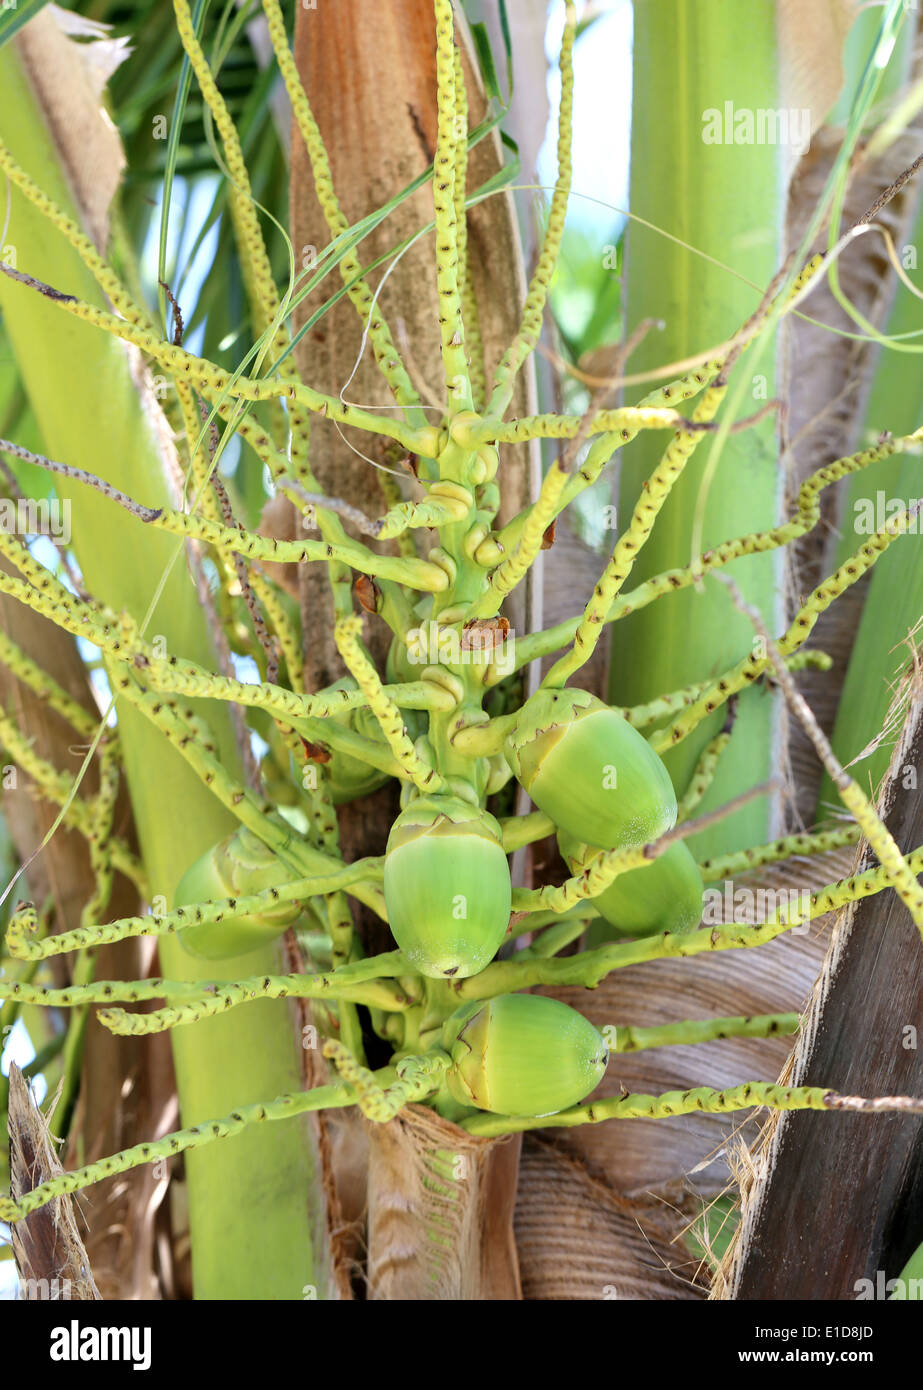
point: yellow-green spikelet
(447, 886)
(585, 766)
(522, 1054)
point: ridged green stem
(722, 199)
(80, 385)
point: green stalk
(724, 200)
(632, 1107)
(79, 383)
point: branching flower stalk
(443, 885)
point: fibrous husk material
(50, 1257)
(597, 1245)
(440, 1212)
(340, 1155)
(68, 78)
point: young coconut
(346, 776)
(522, 1054)
(590, 771)
(238, 866)
(664, 895)
(447, 886)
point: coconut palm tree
(297, 635)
